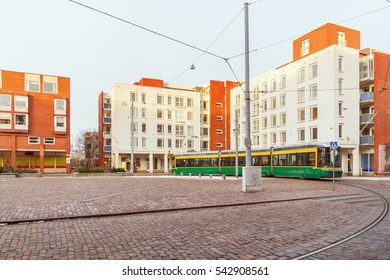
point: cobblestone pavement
(288, 218)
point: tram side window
(180, 162)
(193, 162)
(275, 160)
(241, 161)
(282, 160)
(204, 161)
(214, 162)
(292, 160)
(306, 159)
(264, 160)
(225, 161)
(312, 159)
(322, 160)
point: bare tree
(85, 148)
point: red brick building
(34, 122)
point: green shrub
(90, 170)
(6, 169)
(26, 171)
(115, 170)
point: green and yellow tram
(312, 161)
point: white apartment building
(166, 120)
(313, 99)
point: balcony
(106, 120)
(367, 97)
(367, 140)
(367, 118)
(366, 71)
(107, 149)
(107, 106)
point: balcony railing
(367, 140)
(107, 148)
(107, 120)
(107, 106)
(367, 97)
(366, 118)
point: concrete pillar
(166, 163)
(151, 163)
(356, 162)
(13, 151)
(42, 159)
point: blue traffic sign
(333, 145)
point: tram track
(354, 235)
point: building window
(160, 99)
(256, 125)
(143, 139)
(205, 145)
(179, 143)
(273, 85)
(190, 116)
(133, 96)
(34, 140)
(21, 120)
(21, 103)
(160, 143)
(169, 143)
(301, 134)
(256, 109)
(237, 98)
(60, 106)
(160, 114)
(5, 102)
(301, 95)
(180, 130)
(305, 47)
(143, 113)
(143, 98)
(59, 123)
(219, 118)
(169, 100)
(49, 87)
(205, 118)
(313, 133)
(264, 122)
(205, 131)
(5, 120)
(135, 127)
(313, 71)
(301, 114)
(180, 116)
(341, 39)
(143, 128)
(273, 103)
(313, 91)
(219, 104)
(264, 89)
(219, 131)
(51, 140)
(219, 145)
(341, 109)
(265, 139)
(160, 128)
(283, 82)
(341, 64)
(273, 138)
(340, 86)
(340, 130)
(283, 137)
(190, 130)
(313, 113)
(190, 102)
(282, 100)
(264, 105)
(273, 121)
(301, 75)
(32, 83)
(179, 102)
(283, 119)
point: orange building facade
(34, 122)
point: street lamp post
(132, 139)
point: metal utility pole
(248, 159)
(132, 139)
(236, 143)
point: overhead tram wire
(293, 37)
(148, 30)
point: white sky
(58, 37)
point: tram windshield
(326, 157)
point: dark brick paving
(276, 230)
